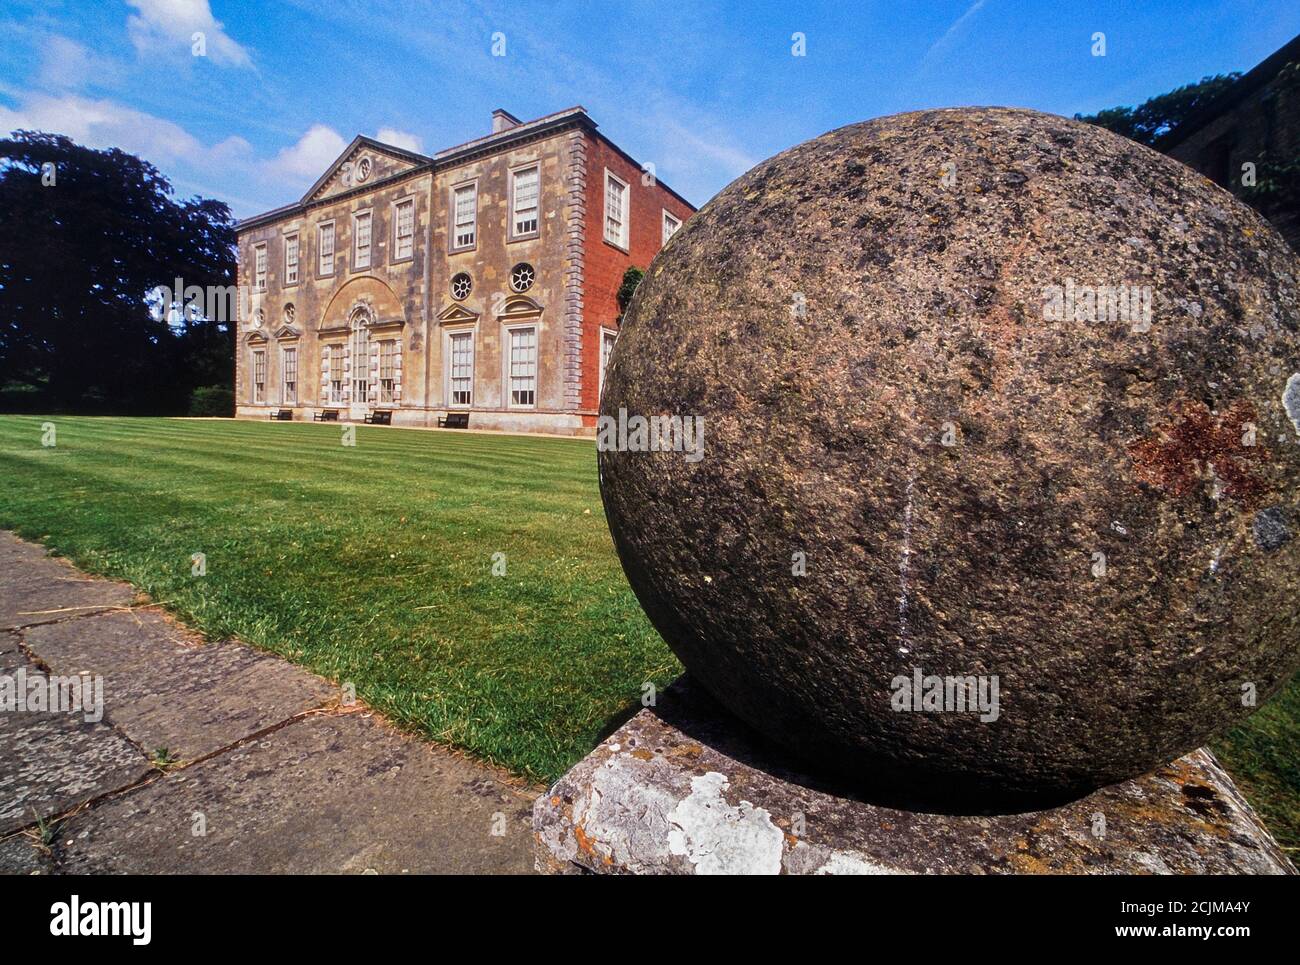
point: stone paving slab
(685, 788)
(325, 794)
(37, 588)
(164, 687)
(20, 856)
(51, 762)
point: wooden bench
(282, 415)
(326, 415)
(380, 417)
(454, 420)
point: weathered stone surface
(37, 588)
(326, 794)
(51, 762)
(687, 789)
(19, 855)
(164, 687)
(1106, 533)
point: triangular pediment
(457, 313)
(287, 331)
(364, 161)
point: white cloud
(68, 65)
(168, 27)
(313, 153)
(390, 135)
(103, 123)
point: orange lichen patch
(641, 754)
(686, 750)
(1181, 454)
(585, 844)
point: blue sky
(704, 90)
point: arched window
(360, 355)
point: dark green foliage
(631, 278)
(212, 400)
(78, 257)
(1159, 115)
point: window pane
(327, 249)
(405, 229)
(465, 204)
(362, 251)
(289, 374)
(336, 373)
(462, 368)
(615, 216)
(523, 366)
(291, 259)
(259, 376)
(360, 365)
(259, 267)
(526, 183)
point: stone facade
(1256, 122)
(487, 313)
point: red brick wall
(603, 263)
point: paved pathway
(271, 775)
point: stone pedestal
(684, 788)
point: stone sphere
(989, 398)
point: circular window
(461, 286)
(522, 277)
(289, 313)
(363, 168)
(259, 317)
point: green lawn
(373, 565)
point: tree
(631, 278)
(87, 236)
(1159, 115)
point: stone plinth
(686, 788)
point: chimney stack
(503, 121)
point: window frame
(320, 248)
(669, 216)
(452, 247)
(337, 381)
(625, 240)
(600, 385)
(285, 382)
(259, 388)
(449, 336)
(389, 346)
(507, 378)
(367, 215)
(395, 217)
(291, 279)
(261, 266)
(535, 166)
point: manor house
(481, 280)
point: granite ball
(989, 399)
